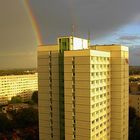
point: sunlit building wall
(87, 95)
(14, 85)
(119, 89)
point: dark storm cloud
(102, 17)
(130, 37)
(17, 61)
(15, 29)
(17, 38)
(55, 18)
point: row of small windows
(100, 58)
(103, 120)
(99, 96)
(100, 66)
(101, 124)
(100, 88)
(100, 73)
(101, 80)
(106, 126)
(100, 103)
(101, 111)
(100, 134)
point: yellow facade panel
(68, 136)
(82, 60)
(82, 124)
(82, 92)
(79, 137)
(68, 99)
(82, 68)
(67, 61)
(44, 103)
(68, 107)
(43, 76)
(83, 101)
(68, 114)
(83, 116)
(82, 84)
(68, 68)
(117, 101)
(44, 89)
(43, 83)
(83, 132)
(82, 108)
(55, 76)
(43, 61)
(68, 84)
(117, 109)
(44, 97)
(68, 76)
(82, 76)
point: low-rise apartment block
(13, 85)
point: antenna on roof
(88, 38)
(73, 30)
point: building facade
(87, 95)
(134, 101)
(83, 91)
(13, 85)
(119, 59)
(134, 96)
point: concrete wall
(48, 79)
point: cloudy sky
(109, 22)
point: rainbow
(33, 21)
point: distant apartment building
(134, 101)
(83, 91)
(134, 87)
(13, 85)
(134, 96)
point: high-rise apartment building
(83, 91)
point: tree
(35, 97)
(16, 99)
(139, 87)
(5, 124)
(26, 117)
(24, 120)
(132, 113)
(30, 133)
(134, 125)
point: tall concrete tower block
(83, 91)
